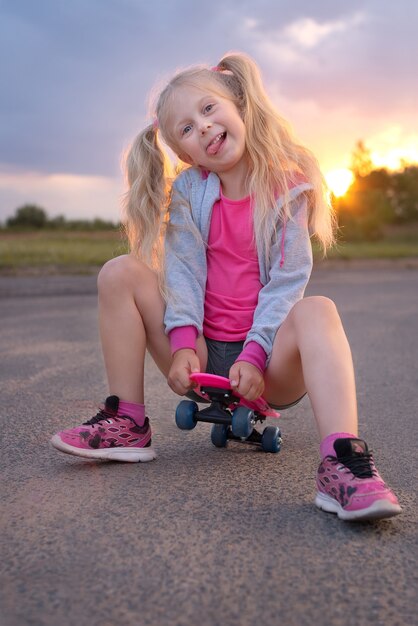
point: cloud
(366, 57)
(78, 75)
(290, 46)
(74, 196)
(308, 33)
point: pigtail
(267, 173)
(277, 159)
(145, 203)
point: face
(208, 130)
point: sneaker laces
(361, 465)
(100, 417)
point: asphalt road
(201, 536)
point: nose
(204, 126)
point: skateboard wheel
(242, 422)
(271, 439)
(219, 435)
(186, 414)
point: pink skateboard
(232, 416)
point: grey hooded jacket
(284, 277)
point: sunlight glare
(395, 159)
(339, 181)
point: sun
(339, 181)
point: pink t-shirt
(233, 273)
(233, 282)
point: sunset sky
(76, 78)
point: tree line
(34, 217)
(376, 199)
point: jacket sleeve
(185, 262)
(286, 284)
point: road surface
(202, 536)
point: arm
(286, 285)
(185, 263)
(185, 273)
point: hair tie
(216, 68)
(155, 124)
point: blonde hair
(277, 161)
(147, 171)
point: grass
(372, 250)
(79, 252)
(398, 242)
(59, 249)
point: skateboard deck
(207, 382)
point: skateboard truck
(232, 416)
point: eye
(186, 129)
(208, 108)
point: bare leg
(131, 313)
(311, 353)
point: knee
(315, 310)
(115, 273)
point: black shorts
(221, 356)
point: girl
(215, 281)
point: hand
(184, 362)
(247, 380)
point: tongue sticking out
(216, 144)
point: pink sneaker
(350, 485)
(108, 436)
